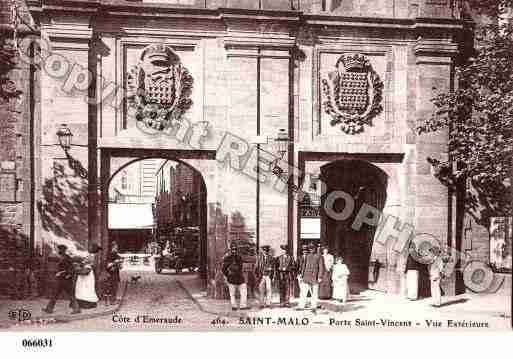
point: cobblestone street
(177, 302)
(154, 302)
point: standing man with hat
(114, 262)
(232, 270)
(94, 257)
(65, 281)
(311, 271)
(285, 268)
(264, 276)
(300, 265)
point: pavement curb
(324, 305)
(67, 318)
(232, 314)
(200, 306)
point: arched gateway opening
(366, 184)
(155, 210)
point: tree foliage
(479, 113)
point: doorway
(366, 184)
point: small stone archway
(366, 184)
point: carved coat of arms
(159, 88)
(353, 93)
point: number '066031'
(37, 343)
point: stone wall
(16, 236)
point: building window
(124, 180)
(501, 233)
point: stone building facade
(135, 183)
(179, 190)
(17, 108)
(346, 81)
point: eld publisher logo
(20, 315)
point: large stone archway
(108, 172)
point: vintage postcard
(255, 165)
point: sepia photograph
(255, 166)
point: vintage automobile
(178, 253)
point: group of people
(78, 277)
(320, 275)
(323, 276)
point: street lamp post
(65, 136)
(282, 146)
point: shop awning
(130, 216)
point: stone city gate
(322, 75)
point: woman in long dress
(325, 288)
(340, 277)
(85, 291)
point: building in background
(135, 182)
(177, 201)
(131, 201)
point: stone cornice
(245, 14)
(427, 47)
(62, 31)
(68, 6)
(384, 23)
(124, 9)
(131, 9)
(234, 42)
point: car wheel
(158, 268)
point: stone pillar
(65, 175)
(103, 205)
(434, 66)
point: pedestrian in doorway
(65, 281)
(435, 276)
(232, 271)
(264, 276)
(94, 259)
(299, 265)
(285, 268)
(340, 276)
(114, 263)
(412, 273)
(311, 272)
